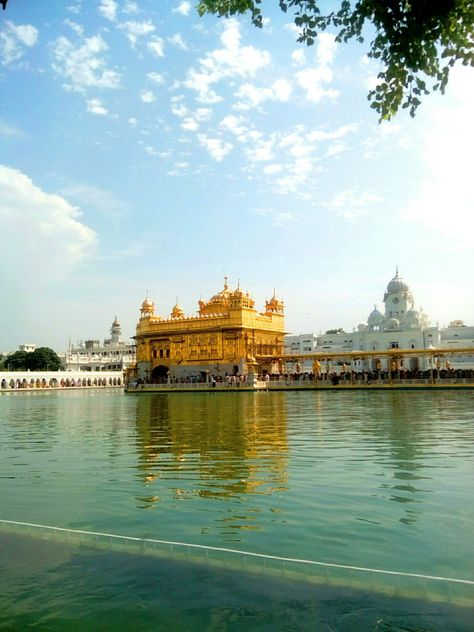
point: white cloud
(386, 138)
(108, 8)
(337, 148)
(183, 8)
(231, 61)
(192, 120)
(251, 96)
(13, 40)
(74, 8)
(177, 107)
(101, 200)
(278, 218)
(94, 106)
(292, 28)
(156, 46)
(283, 218)
(313, 80)
(233, 124)
(318, 135)
(10, 131)
(296, 175)
(271, 169)
(82, 66)
(261, 151)
(156, 77)
(215, 146)
(299, 57)
(295, 155)
(130, 8)
(35, 224)
(282, 90)
(178, 41)
(352, 204)
(147, 96)
(132, 121)
(77, 28)
(133, 30)
(190, 124)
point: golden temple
(228, 336)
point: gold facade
(227, 336)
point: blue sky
(145, 148)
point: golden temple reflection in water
(234, 446)
(226, 337)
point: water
(379, 480)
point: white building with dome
(399, 325)
(113, 354)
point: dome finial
(226, 285)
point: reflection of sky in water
(381, 479)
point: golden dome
(148, 307)
(237, 293)
(177, 311)
(222, 296)
(274, 304)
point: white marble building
(113, 354)
(400, 325)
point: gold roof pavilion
(226, 337)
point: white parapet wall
(31, 380)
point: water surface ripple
(374, 479)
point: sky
(144, 149)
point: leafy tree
(44, 358)
(41, 359)
(335, 331)
(416, 41)
(16, 361)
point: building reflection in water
(401, 437)
(215, 447)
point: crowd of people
(377, 376)
(335, 378)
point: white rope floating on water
(263, 556)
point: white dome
(375, 317)
(362, 327)
(397, 284)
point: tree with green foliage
(44, 358)
(416, 41)
(16, 361)
(41, 359)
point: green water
(380, 480)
